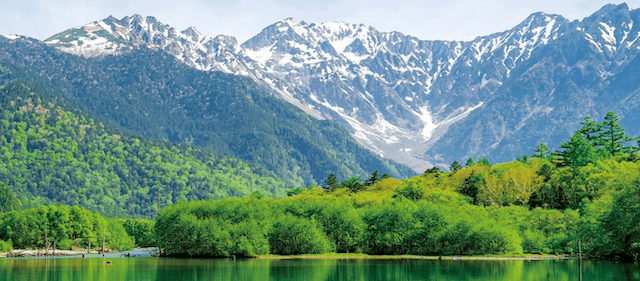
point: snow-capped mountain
(414, 101)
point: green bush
(117, 238)
(5, 246)
(291, 235)
(248, 239)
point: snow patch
(11, 36)
(342, 44)
(261, 55)
(608, 33)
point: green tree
(612, 136)
(577, 152)
(542, 151)
(455, 166)
(470, 162)
(591, 131)
(432, 170)
(411, 190)
(291, 235)
(8, 200)
(484, 162)
(623, 224)
(375, 177)
(331, 182)
(471, 186)
(294, 191)
(354, 184)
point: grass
(415, 257)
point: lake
(149, 268)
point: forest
(151, 94)
(52, 154)
(66, 228)
(587, 193)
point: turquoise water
(149, 268)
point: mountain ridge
(397, 95)
(150, 93)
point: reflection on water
(147, 268)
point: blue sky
(446, 20)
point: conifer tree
(375, 177)
(577, 152)
(542, 151)
(470, 162)
(331, 181)
(484, 162)
(591, 130)
(455, 166)
(612, 135)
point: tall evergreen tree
(612, 136)
(375, 177)
(542, 151)
(331, 181)
(577, 152)
(484, 162)
(591, 130)
(470, 187)
(455, 166)
(470, 162)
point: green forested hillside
(150, 93)
(587, 193)
(52, 154)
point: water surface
(149, 268)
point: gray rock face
(419, 102)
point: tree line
(586, 192)
(53, 154)
(65, 228)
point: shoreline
(29, 253)
(415, 257)
(21, 253)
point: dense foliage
(8, 199)
(61, 227)
(141, 230)
(546, 204)
(152, 94)
(50, 154)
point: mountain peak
(610, 11)
(292, 22)
(111, 18)
(193, 34)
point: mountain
(415, 101)
(51, 153)
(150, 93)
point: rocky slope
(417, 102)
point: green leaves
(8, 200)
(50, 153)
(577, 152)
(291, 235)
(63, 227)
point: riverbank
(41, 253)
(415, 257)
(30, 253)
